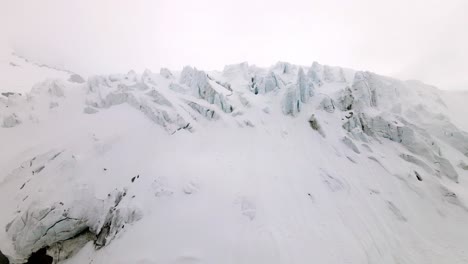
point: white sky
(409, 39)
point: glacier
(286, 164)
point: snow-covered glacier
(286, 164)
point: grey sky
(409, 39)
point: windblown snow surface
(289, 164)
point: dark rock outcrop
(3, 259)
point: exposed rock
(314, 124)
(40, 257)
(463, 165)
(61, 250)
(8, 94)
(3, 259)
(418, 176)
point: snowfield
(290, 164)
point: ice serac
(306, 86)
(284, 68)
(292, 101)
(327, 104)
(106, 91)
(365, 127)
(166, 73)
(53, 87)
(297, 93)
(346, 99)
(371, 90)
(315, 73)
(447, 132)
(201, 88)
(348, 152)
(70, 225)
(261, 84)
(364, 87)
(333, 74)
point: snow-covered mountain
(289, 164)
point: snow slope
(288, 164)
(19, 74)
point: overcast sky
(408, 39)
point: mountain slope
(288, 164)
